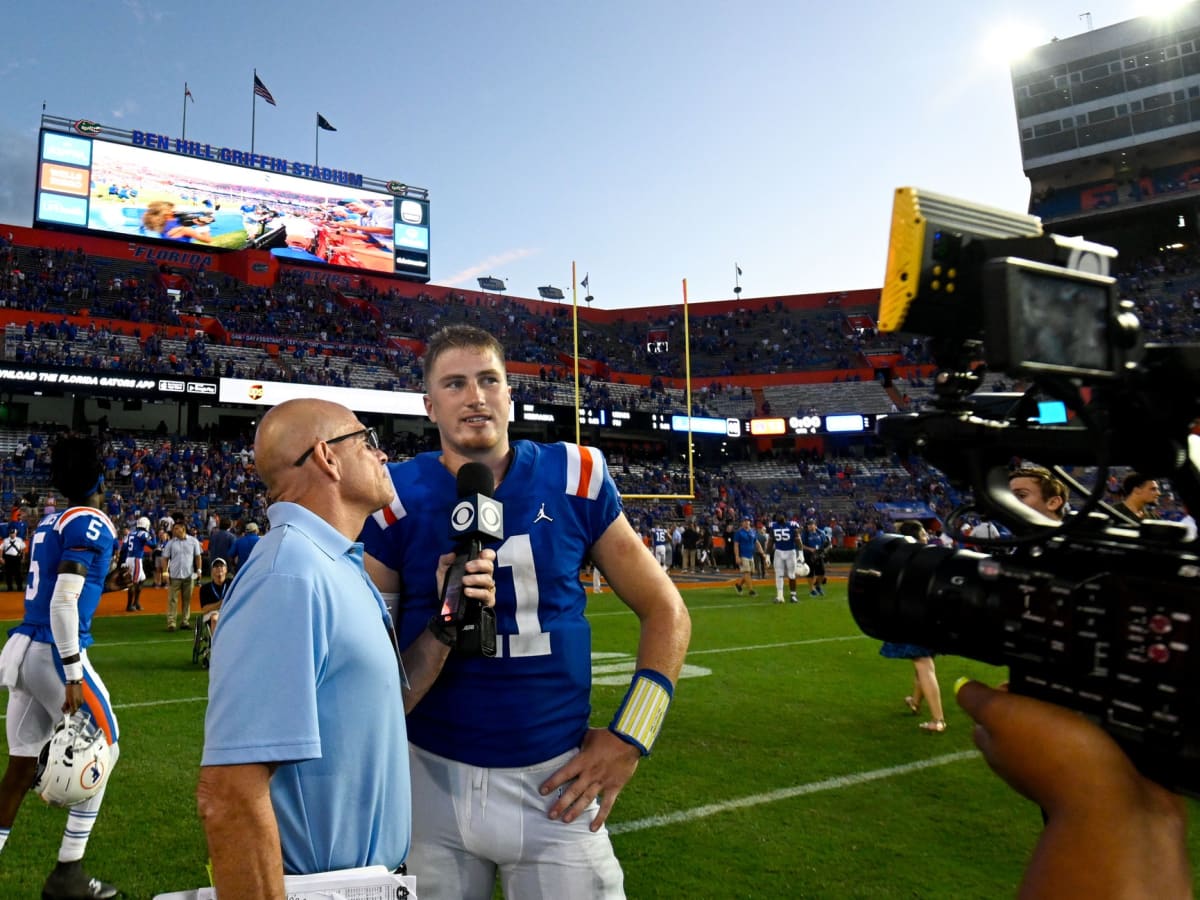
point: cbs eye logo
(463, 516)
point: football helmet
(143, 522)
(75, 763)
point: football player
(133, 553)
(45, 663)
(785, 542)
(506, 772)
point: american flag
(261, 90)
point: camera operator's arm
(423, 658)
(1110, 832)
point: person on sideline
(45, 663)
(183, 555)
(745, 548)
(925, 683)
(508, 776)
(320, 782)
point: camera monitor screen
(1044, 318)
(1064, 322)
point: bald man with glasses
(305, 764)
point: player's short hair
(76, 466)
(1132, 482)
(911, 528)
(459, 337)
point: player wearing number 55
(507, 776)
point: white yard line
(146, 703)
(828, 640)
(816, 787)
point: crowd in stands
(323, 335)
(328, 330)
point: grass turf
(788, 767)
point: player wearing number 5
(45, 663)
(507, 776)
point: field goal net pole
(687, 371)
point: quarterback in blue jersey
(508, 776)
(45, 664)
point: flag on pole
(583, 284)
(261, 90)
(323, 122)
(187, 93)
(739, 268)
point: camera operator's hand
(1109, 832)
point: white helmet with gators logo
(143, 522)
(75, 763)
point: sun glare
(1160, 8)
(1007, 42)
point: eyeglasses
(367, 434)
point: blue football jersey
(136, 543)
(532, 700)
(659, 536)
(81, 534)
(784, 535)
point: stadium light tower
(491, 283)
(549, 292)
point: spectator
(183, 556)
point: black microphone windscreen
(475, 478)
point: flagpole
(183, 133)
(253, 110)
(317, 141)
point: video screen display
(1063, 322)
(116, 189)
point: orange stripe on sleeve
(585, 471)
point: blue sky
(648, 141)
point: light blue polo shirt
(304, 674)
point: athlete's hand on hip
(603, 765)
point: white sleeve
(64, 622)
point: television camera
(1097, 612)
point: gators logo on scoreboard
(255, 391)
(396, 187)
(86, 126)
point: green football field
(788, 767)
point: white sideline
(828, 640)
(829, 784)
(4, 716)
(692, 609)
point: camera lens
(909, 593)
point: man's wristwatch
(443, 631)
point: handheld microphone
(475, 519)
